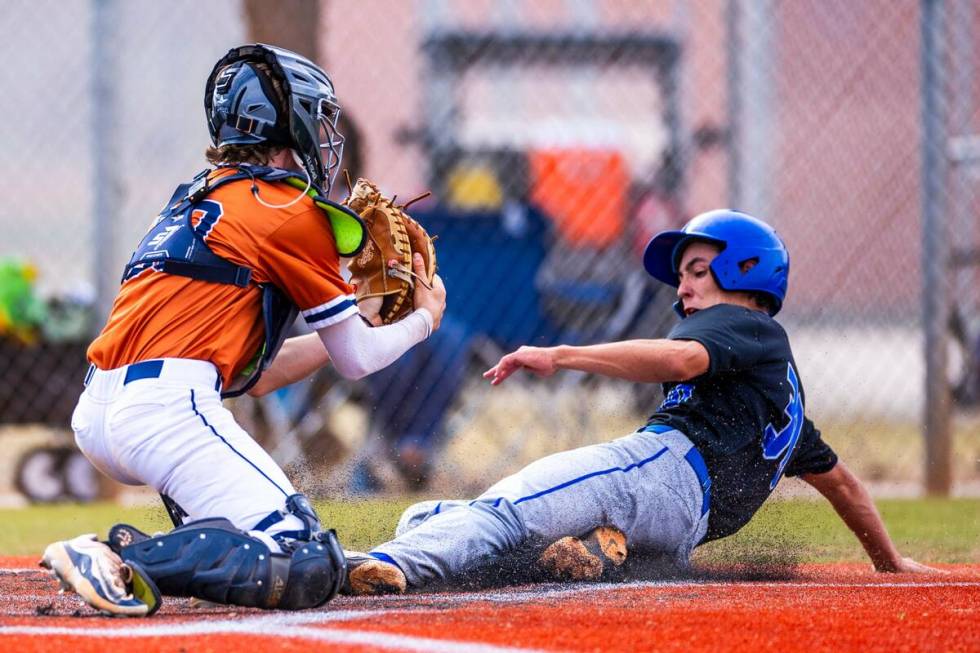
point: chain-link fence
(557, 138)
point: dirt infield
(816, 608)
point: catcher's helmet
(241, 108)
(741, 238)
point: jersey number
(207, 213)
(677, 396)
(779, 445)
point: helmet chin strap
(309, 185)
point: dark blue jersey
(745, 414)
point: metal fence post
(105, 157)
(733, 77)
(935, 252)
(750, 43)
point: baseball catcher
(232, 259)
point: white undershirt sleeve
(357, 349)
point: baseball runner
(731, 426)
(224, 270)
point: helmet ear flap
(749, 268)
(246, 107)
(747, 264)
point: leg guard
(212, 560)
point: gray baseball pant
(641, 484)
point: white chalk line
(357, 637)
(291, 626)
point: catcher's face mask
(330, 139)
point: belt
(151, 369)
(695, 460)
(134, 372)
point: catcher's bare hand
(538, 360)
(432, 298)
(907, 566)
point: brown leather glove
(383, 269)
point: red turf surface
(822, 608)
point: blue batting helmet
(741, 238)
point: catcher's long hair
(254, 153)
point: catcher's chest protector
(177, 246)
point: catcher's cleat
(587, 558)
(98, 575)
(368, 576)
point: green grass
(930, 530)
(936, 530)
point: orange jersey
(160, 315)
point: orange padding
(583, 191)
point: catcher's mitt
(383, 269)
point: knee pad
(317, 571)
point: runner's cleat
(93, 571)
(368, 576)
(587, 558)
